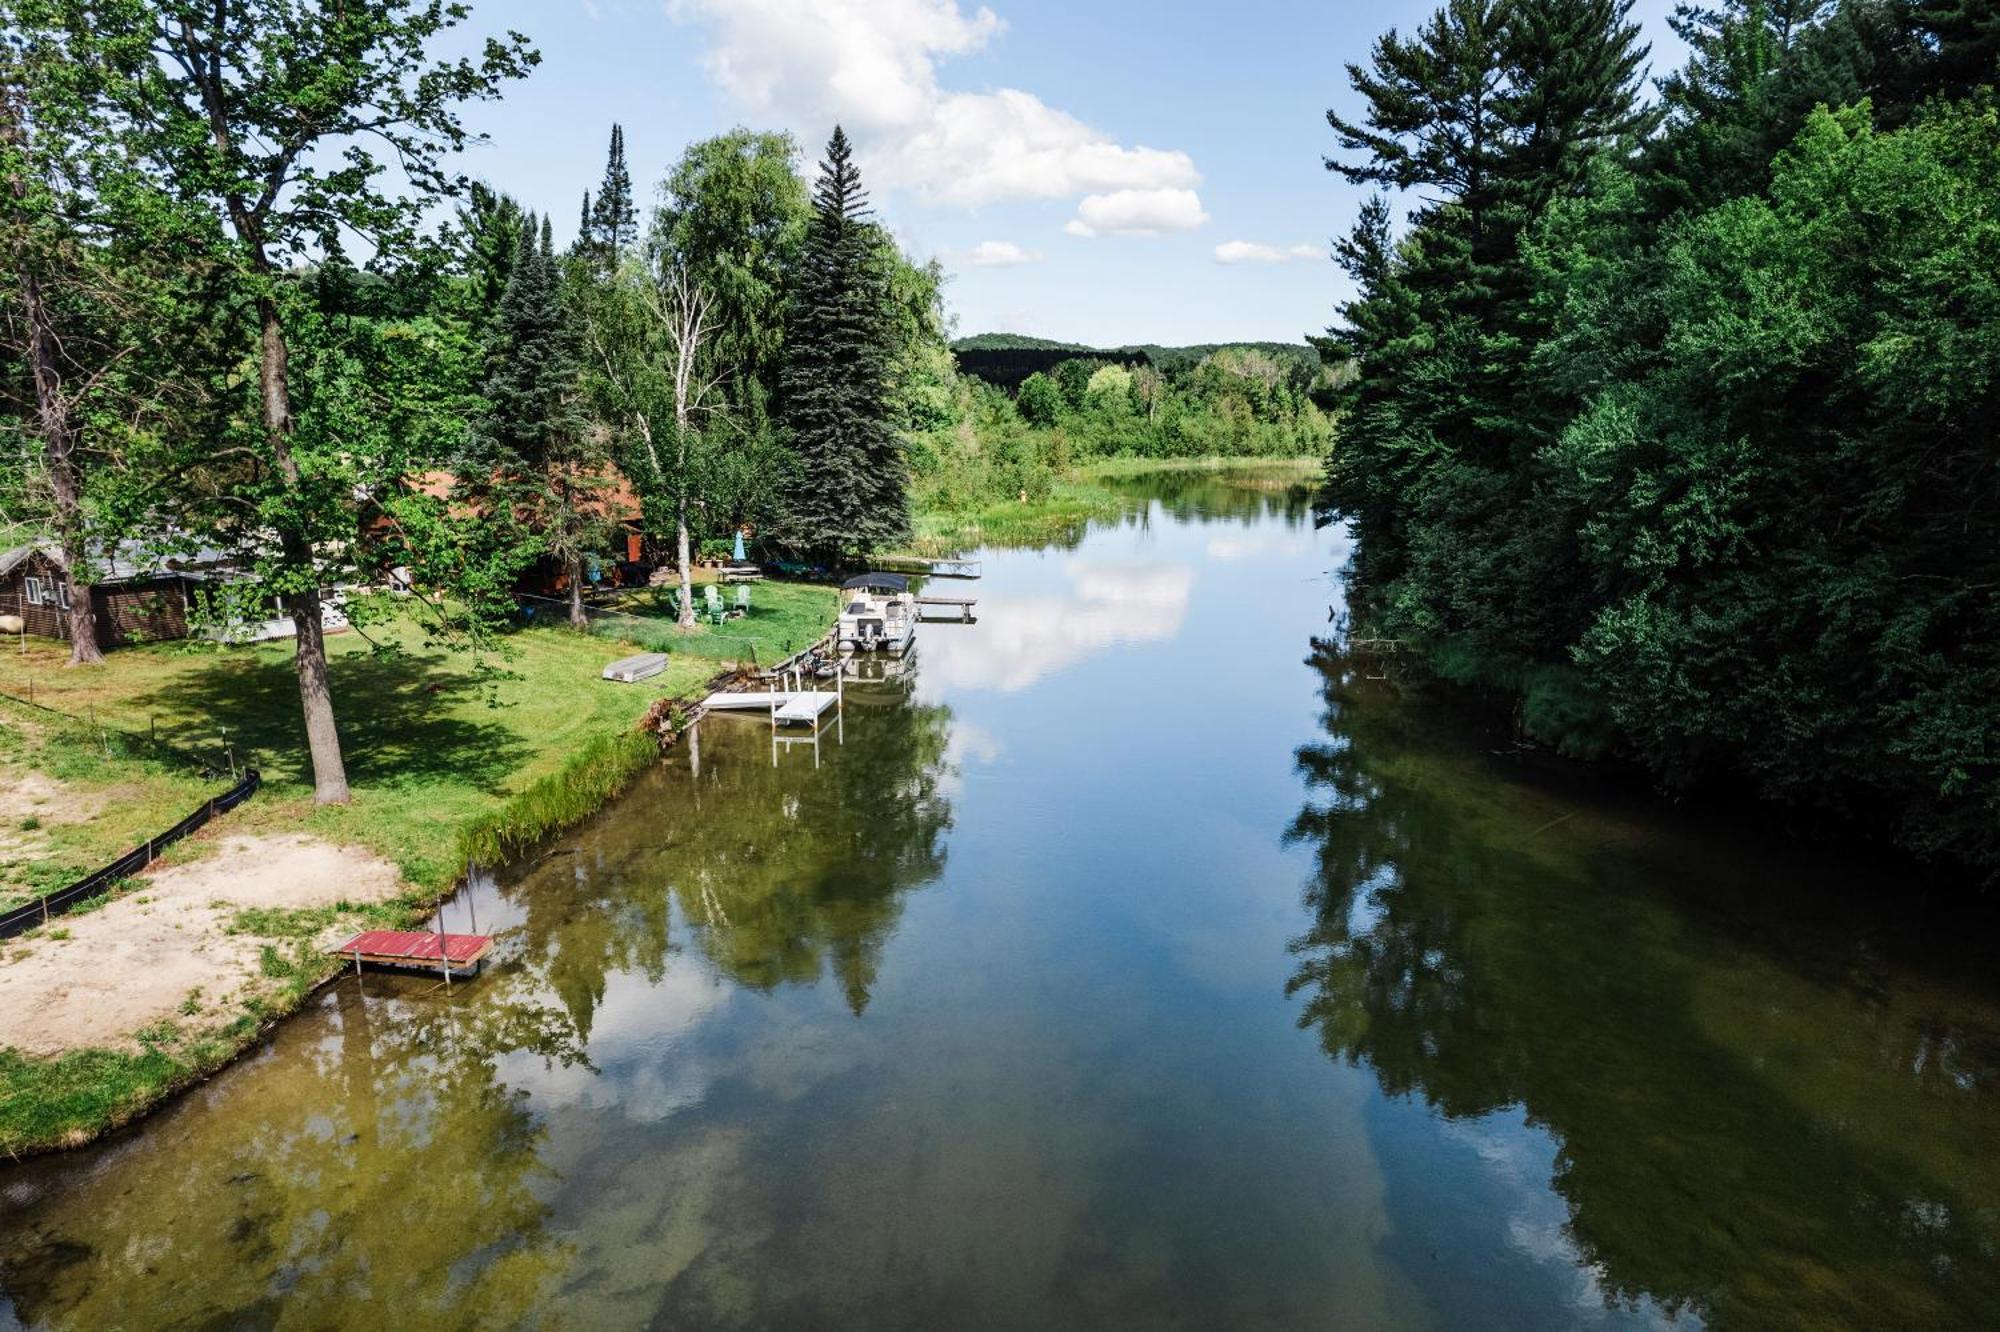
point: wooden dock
(961, 607)
(423, 950)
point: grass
(597, 772)
(79, 797)
(448, 759)
(783, 618)
(433, 741)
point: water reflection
(405, 1149)
(1732, 1141)
(383, 1163)
(1098, 606)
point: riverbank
(117, 1006)
(1083, 494)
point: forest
(1672, 418)
(307, 342)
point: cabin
(137, 599)
(625, 558)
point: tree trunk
(58, 432)
(308, 622)
(573, 570)
(686, 565)
(329, 769)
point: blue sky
(1081, 169)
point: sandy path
(128, 965)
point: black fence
(24, 918)
(132, 742)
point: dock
(929, 568)
(788, 703)
(961, 607)
(423, 950)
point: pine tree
(613, 222)
(848, 493)
(1491, 110)
(491, 224)
(532, 463)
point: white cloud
(1137, 213)
(1254, 252)
(1001, 254)
(871, 65)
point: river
(1131, 959)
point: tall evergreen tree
(613, 220)
(490, 227)
(532, 464)
(1491, 110)
(848, 493)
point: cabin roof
(126, 562)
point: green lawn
(783, 618)
(435, 741)
(73, 798)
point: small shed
(136, 599)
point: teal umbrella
(739, 545)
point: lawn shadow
(394, 711)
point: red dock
(413, 948)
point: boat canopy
(877, 582)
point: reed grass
(600, 770)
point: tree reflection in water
(369, 1158)
(783, 872)
(1717, 1154)
(376, 1157)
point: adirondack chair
(743, 599)
(716, 610)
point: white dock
(930, 607)
(806, 707)
(749, 700)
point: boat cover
(878, 582)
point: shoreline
(1077, 497)
(86, 1093)
(63, 1101)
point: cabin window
(61, 597)
(32, 590)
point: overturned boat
(877, 612)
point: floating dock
(423, 950)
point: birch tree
(654, 377)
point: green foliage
(1041, 400)
(598, 771)
(848, 494)
(1690, 449)
(733, 212)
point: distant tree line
(1674, 419)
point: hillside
(1005, 359)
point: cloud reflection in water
(1024, 639)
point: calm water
(1131, 961)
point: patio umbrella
(739, 546)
